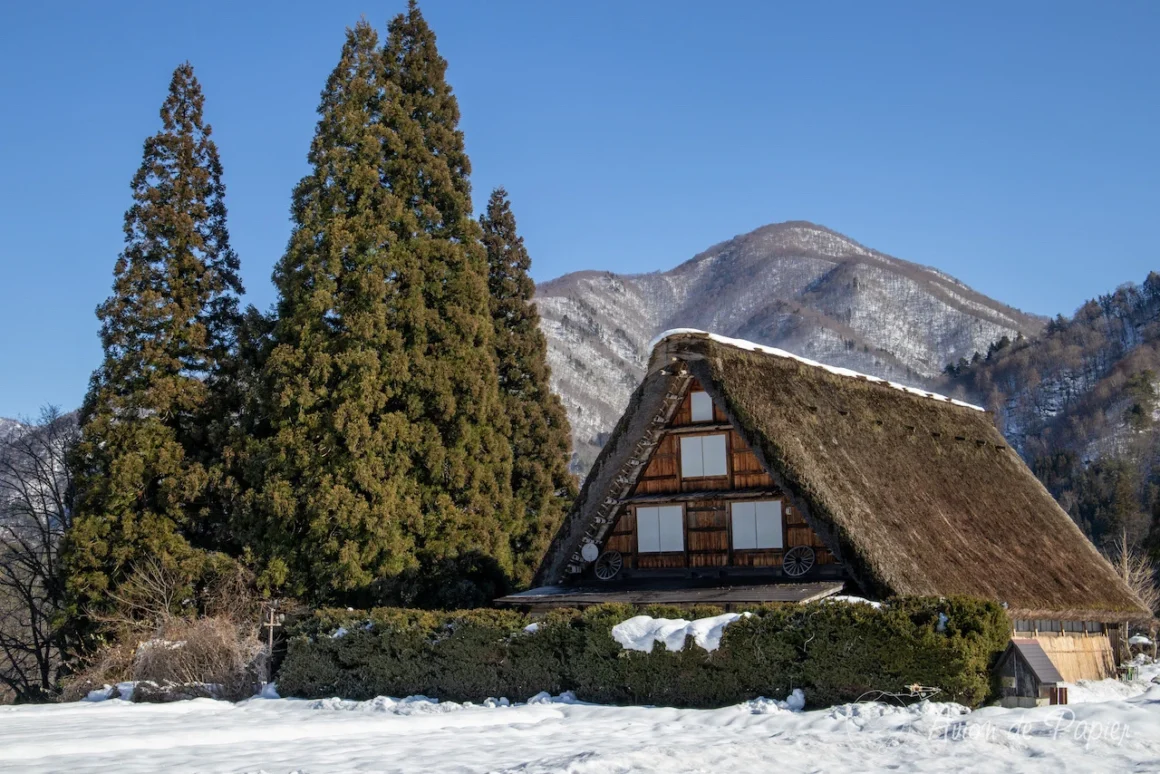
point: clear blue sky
(1013, 145)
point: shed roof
(916, 493)
(1037, 660)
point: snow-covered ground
(1115, 729)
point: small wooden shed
(1027, 676)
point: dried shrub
(181, 635)
(110, 665)
(225, 659)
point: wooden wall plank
(746, 469)
(684, 414)
(662, 474)
(709, 484)
(663, 561)
(757, 558)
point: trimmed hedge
(834, 652)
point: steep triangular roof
(916, 493)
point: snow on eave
(752, 347)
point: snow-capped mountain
(9, 428)
(1086, 384)
(796, 285)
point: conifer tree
(144, 461)
(386, 475)
(540, 437)
(333, 506)
(462, 460)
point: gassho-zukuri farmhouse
(741, 474)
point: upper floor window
(703, 455)
(757, 524)
(702, 406)
(660, 529)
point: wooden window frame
(784, 527)
(693, 413)
(684, 530)
(753, 551)
(728, 474)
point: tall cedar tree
(145, 461)
(462, 459)
(540, 437)
(330, 507)
(384, 464)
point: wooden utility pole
(273, 619)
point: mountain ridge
(796, 285)
(1081, 403)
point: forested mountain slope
(796, 285)
(1079, 401)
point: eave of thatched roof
(917, 494)
(615, 471)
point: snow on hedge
(853, 600)
(642, 632)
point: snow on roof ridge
(754, 347)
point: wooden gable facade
(722, 510)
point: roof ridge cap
(775, 352)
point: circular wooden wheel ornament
(798, 561)
(608, 565)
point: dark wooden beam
(708, 494)
(704, 427)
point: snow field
(559, 734)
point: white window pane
(713, 454)
(691, 465)
(744, 530)
(648, 536)
(702, 407)
(672, 528)
(768, 518)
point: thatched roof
(917, 494)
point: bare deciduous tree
(35, 511)
(1137, 570)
